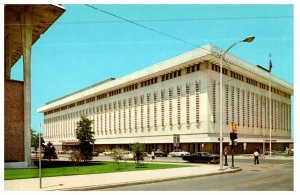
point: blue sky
(86, 46)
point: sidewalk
(107, 180)
(273, 157)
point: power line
(156, 31)
(143, 26)
(167, 20)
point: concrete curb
(94, 187)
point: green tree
(85, 135)
(49, 152)
(138, 150)
(35, 140)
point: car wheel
(208, 162)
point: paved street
(269, 175)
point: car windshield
(205, 154)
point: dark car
(201, 157)
(160, 154)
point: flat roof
(207, 52)
(81, 90)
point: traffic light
(233, 127)
(233, 136)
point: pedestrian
(256, 154)
(152, 156)
(225, 154)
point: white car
(127, 155)
(178, 153)
(107, 152)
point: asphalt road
(269, 175)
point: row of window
(249, 81)
(102, 114)
(168, 76)
(217, 68)
(255, 109)
(192, 68)
(171, 75)
(149, 82)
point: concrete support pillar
(26, 29)
(7, 62)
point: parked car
(61, 152)
(160, 153)
(70, 152)
(95, 154)
(127, 155)
(145, 154)
(178, 153)
(107, 152)
(201, 157)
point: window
(197, 102)
(226, 104)
(257, 111)
(170, 106)
(187, 104)
(124, 115)
(188, 70)
(142, 111)
(135, 113)
(289, 118)
(148, 111)
(171, 75)
(115, 119)
(214, 100)
(248, 108)
(252, 109)
(162, 108)
(150, 81)
(232, 103)
(243, 103)
(178, 105)
(261, 111)
(129, 113)
(109, 117)
(105, 122)
(155, 109)
(119, 116)
(266, 112)
(238, 106)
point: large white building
(178, 97)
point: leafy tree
(35, 140)
(49, 152)
(116, 155)
(138, 150)
(85, 135)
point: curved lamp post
(247, 40)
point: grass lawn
(91, 168)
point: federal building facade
(178, 98)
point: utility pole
(270, 105)
(40, 160)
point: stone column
(26, 29)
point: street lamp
(270, 108)
(247, 40)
